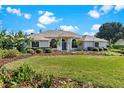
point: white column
(69, 44)
(59, 46)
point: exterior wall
(83, 46)
(87, 44)
(102, 44)
(44, 44)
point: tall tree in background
(111, 32)
(13, 40)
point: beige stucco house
(65, 40)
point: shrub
(109, 53)
(118, 46)
(31, 51)
(101, 49)
(95, 49)
(5, 76)
(1, 52)
(116, 50)
(105, 49)
(47, 50)
(11, 53)
(23, 73)
(39, 50)
(121, 51)
(47, 82)
(65, 84)
(1, 83)
(90, 48)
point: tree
(21, 41)
(111, 31)
(13, 40)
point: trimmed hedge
(90, 48)
(105, 49)
(118, 46)
(101, 49)
(31, 51)
(95, 49)
(39, 51)
(47, 50)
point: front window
(35, 44)
(74, 43)
(53, 43)
(96, 44)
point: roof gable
(54, 34)
(92, 38)
(120, 42)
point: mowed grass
(102, 71)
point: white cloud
(18, 12)
(27, 16)
(95, 27)
(119, 7)
(94, 13)
(106, 9)
(40, 25)
(97, 13)
(29, 31)
(48, 18)
(40, 12)
(89, 33)
(69, 28)
(14, 11)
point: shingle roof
(54, 34)
(40, 38)
(120, 42)
(92, 38)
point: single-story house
(65, 40)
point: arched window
(74, 43)
(53, 43)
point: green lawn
(102, 71)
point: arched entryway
(74, 43)
(64, 45)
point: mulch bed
(8, 60)
(56, 83)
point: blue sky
(80, 19)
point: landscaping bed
(8, 60)
(100, 71)
(25, 77)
